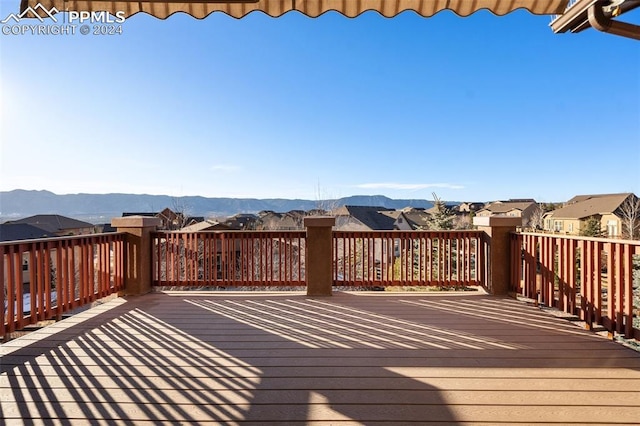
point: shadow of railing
(168, 364)
(289, 359)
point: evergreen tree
(591, 227)
(442, 218)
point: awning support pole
(600, 22)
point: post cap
(497, 221)
(325, 221)
(135, 222)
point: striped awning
(313, 8)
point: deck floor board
(285, 358)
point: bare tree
(462, 222)
(535, 221)
(325, 203)
(629, 212)
(181, 211)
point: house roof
(391, 213)
(590, 205)
(205, 225)
(270, 220)
(373, 217)
(418, 219)
(53, 223)
(498, 207)
(312, 8)
(166, 213)
(22, 231)
(470, 206)
(585, 197)
(244, 216)
(241, 221)
(105, 227)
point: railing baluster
(33, 285)
(3, 317)
(367, 258)
(48, 285)
(12, 300)
(229, 258)
(56, 274)
(626, 308)
(599, 284)
(618, 269)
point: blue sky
(476, 108)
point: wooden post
(138, 251)
(319, 255)
(498, 230)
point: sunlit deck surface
(285, 358)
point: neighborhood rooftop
(583, 206)
(52, 223)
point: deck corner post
(138, 251)
(319, 255)
(497, 231)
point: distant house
(317, 212)
(22, 231)
(272, 221)
(242, 221)
(169, 219)
(400, 222)
(165, 219)
(104, 228)
(571, 218)
(364, 218)
(523, 208)
(468, 207)
(414, 219)
(54, 225)
(206, 225)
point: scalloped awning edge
(200, 9)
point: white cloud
(408, 186)
(226, 168)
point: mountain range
(102, 207)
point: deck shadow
(290, 359)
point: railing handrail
(417, 231)
(302, 232)
(235, 231)
(582, 238)
(62, 238)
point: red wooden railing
(42, 279)
(595, 278)
(229, 258)
(380, 258)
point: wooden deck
(284, 358)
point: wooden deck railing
(378, 258)
(264, 258)
(595, 278)
(229, 258)
(42, 279)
